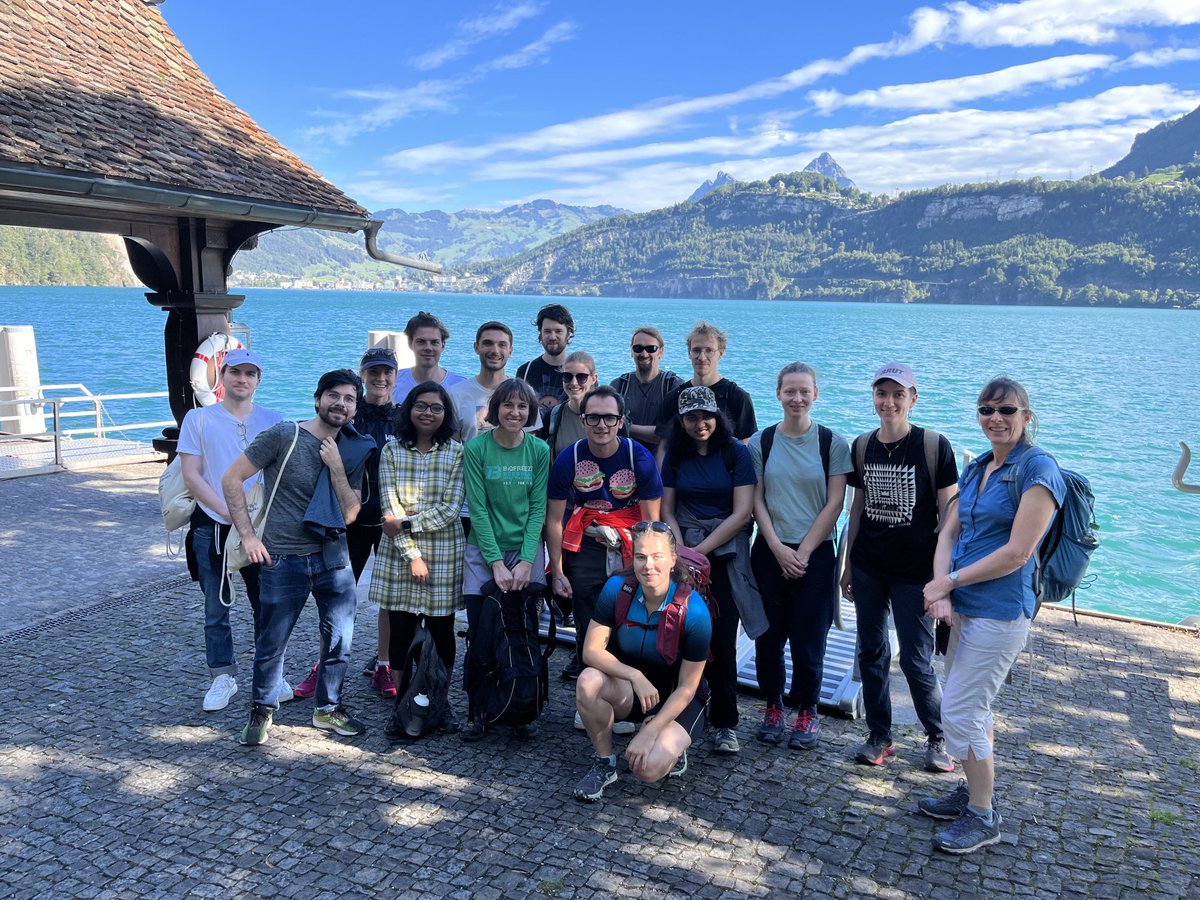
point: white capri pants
(979, 656)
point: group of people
(590, 492)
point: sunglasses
(594, 419)
(657, 528)
(421, 406)
(645, 348)
(578, 377)
(986, 411)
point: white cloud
(1163, 56)
(474, 31)
(533, 52)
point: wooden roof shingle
(103, 88)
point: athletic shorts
(477, 573)
(693, 718)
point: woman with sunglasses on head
(708, 497)
(644, 661)
(801, 468)
(505, 471)
(418, 570)
(982, 586)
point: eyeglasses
(608, 419)
(421, 406)
(986, 411)
(578, 377)
(242, 436)
(645, 348)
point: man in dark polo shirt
(706, 345)
(645, 388)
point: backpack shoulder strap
(765, 442)
(624, 600)
(860, 451)
(932, 442)
(825, 442)
(622, 385)
(553, 423)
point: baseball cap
(697, 399)
(243, 357)
(379, 356)
(897, 372)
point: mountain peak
(722, 179)
(826, 165)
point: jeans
(915, 632)
(285, 586)
(721, 671)
(800, 613)
(218, 636)
(587, 570)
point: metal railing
(100, 422)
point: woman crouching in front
(644, 662)
(982, 586)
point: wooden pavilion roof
(103, 89)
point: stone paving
(114, 783)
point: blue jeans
(285, 586)
(914, 630)
(218, 636)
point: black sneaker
(449, 723)
(395, 728)
(591, 787)
(571, 670)
(771, 729)
(968, 833)
(951, 806)
(256, 729)
(526, 732)
(369, 671)
(473, 731)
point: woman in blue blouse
(983, 574)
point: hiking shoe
(968, 833)
(875, 750)
(680, 766)
(473, 731)
(951, 806)
(936, 757)
(285, 694)
(806, 728)
(382, 682)
(526, 732)
(220, 692)
(591, 787)
(369, 671)
(308, 686)
(726, 741)
(338, 720)
(771, 729)
(256, 729)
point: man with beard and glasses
(555, 327)
(427, 337)
(210, 438)
(310, 466)
(646, 387)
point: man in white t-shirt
(427, 336)
(210, 438)
(494, 346)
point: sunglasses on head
(579, 377)
(986, 411)
(645, 348)
(658, 527)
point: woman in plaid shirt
(418, 570)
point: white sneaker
(286, 693)
(219, 693)
(618, 727)
(579, 723)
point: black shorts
(693, 718)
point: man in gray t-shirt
(309, 468)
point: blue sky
(455, 105)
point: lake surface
(1113, 388)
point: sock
(987, 815)
(611, 759)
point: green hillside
(46, 256)
(800, 236)
(1167, 145)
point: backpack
(505, 671)
(1062, 557)
(430, 678)
(673, 614)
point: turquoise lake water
(1114, 388)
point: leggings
(404, 628)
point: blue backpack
(1062, 557)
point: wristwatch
(406, 525)
(953, 576)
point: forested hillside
(47, 256)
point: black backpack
(505, 671)
(430, 678)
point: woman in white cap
(708, 497)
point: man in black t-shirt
(706, 345)
(555, 327)
(646, 387)
(898, 502)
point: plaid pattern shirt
(428, 489)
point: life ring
(205, 373)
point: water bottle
(420, 711)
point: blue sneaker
(806, 730)
(949, 807)
(968, 833)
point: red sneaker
(308, 686)
(382, 682)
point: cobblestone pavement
(114, 783)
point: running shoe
(875, 750)
(951, 806)
(382, 682)
(285, 694)
(220, 692)
(308, 686)
(473, 731)
(771, 729)
(338, 720)
(369, 671)
(968, 833)
(601, 774)
(256, 729)
(680, 766)
(726, 741)
(806, 729)
(526, 732)
(936, 757)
